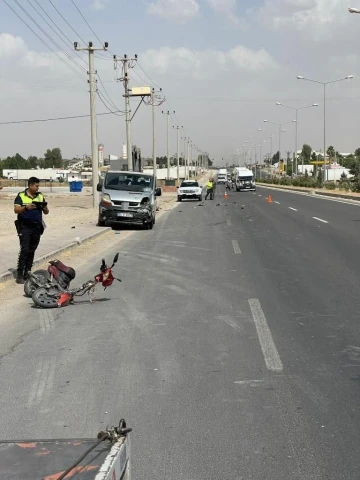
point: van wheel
(179, 199)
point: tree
(32, 161)
(275, 158)
(313, 157)
(357, 152)
(53, 158)
(355, 170)
(331, 152)
(320, 177)
(306, 153)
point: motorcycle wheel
(45, 298)
(31, 284)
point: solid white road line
(236, 246)
(271, 355)
(295, 210)
(320, 220)
(319, 197)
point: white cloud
(225, 7)
(313, 17)
(11, 46)
(203, 64)
(98, 5)
(175, 10)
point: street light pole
(271, 139)
(349, 77)
(296, 130)
(280, 125)
(167, 142)
(177, 153)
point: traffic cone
(225, 195)
(269, 199)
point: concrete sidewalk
(67, 234)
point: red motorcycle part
(64, 299)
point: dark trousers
(29, 237)
(211, 193)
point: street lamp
(280, 125)
(349, 77)
(271, 138)
(296, 131)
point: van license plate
(125, 214)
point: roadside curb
(310, 192)
(10, 275)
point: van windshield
(129, 182)
(245, 178)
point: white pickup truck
(189, 189)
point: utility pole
(154, 138)
(94, 147)
(167, 142)
(127, 63)
(184, 159)
(177, 154)
(188, 158)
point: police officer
(29, 207)
(209, 188)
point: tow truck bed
(48, 459)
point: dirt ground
(64, 210)
(71, 209)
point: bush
(355, 186)
(330, 185)
(285, 181)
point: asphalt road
(232, 347)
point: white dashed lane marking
(320, 220)
(236, 246)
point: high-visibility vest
(26, 199)
(209, 185)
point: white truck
(40, 173)
(222, 176)
(244, 179)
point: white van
(244, 180)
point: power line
(43, 41)
(87, 23)
(47, 35)
(67, 22)
(152, 81)
(107, 94)
(16, 122)
(58, 28)
(103, 101)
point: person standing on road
(209, 188)
(29, 207)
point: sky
(222, 66)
